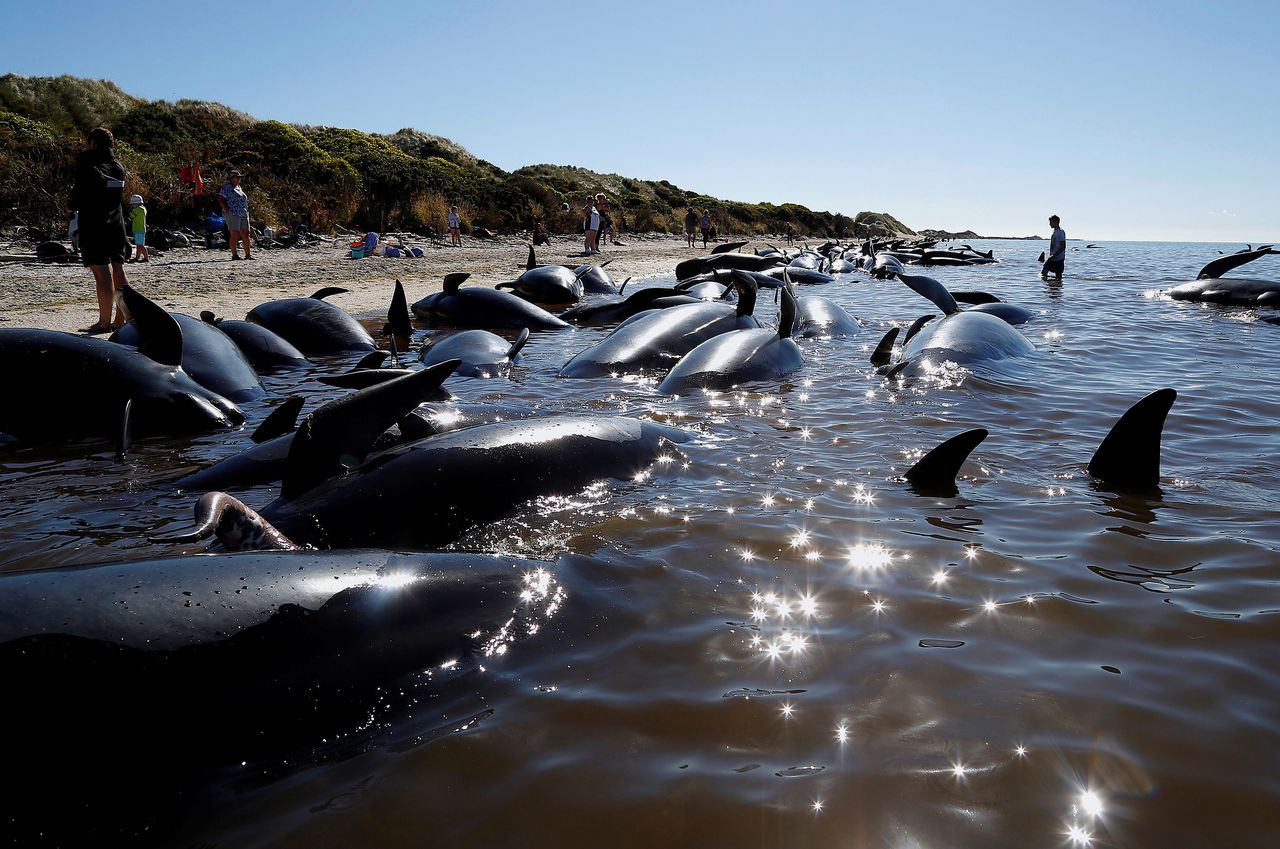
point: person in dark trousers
(705, 224)
(1057, 252)
(97, 195)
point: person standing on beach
(235, 209)
(591, 227)
(606, 218)
(138, 218)
(690, 222)
(455, 228)
(96, 196)
(1057, 252)
(705, 224)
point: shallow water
(775, 642)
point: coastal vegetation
(328, 177)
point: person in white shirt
(1057, 251)
(455, 228)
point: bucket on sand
(357, 250)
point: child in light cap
(139, 219)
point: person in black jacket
(96, 196)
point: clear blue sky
(1143, 120)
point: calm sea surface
(774, 642)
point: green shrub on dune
(324, 177)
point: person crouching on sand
(98, 190)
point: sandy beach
(188, 280)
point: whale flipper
(932, 290)
(514, 350)
(161, 336)
(283, 419)
(321, 294)
(1222, 265)
(347, 427)
(884, 351)
(1129, 456)
(937, 470)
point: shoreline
(61, 296)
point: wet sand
(188, 280)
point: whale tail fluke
(1129, 456)
(236, 525)
(283, 419)
(936, 471)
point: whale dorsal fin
(160, 335)
(454, 280)
(975, 298)
(747, 291)
(373, 359)
(514, 350)
(937, 470)
(347, 427)
(321, 294)
(624, 283)
(931, 289)
(283, 419)
(398, 313)
(880, 356)
(916, 326)
(532, 262)
(1129, 456)
(787, 314)
(728, 247)
(1222, 265)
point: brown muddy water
(773, 641)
